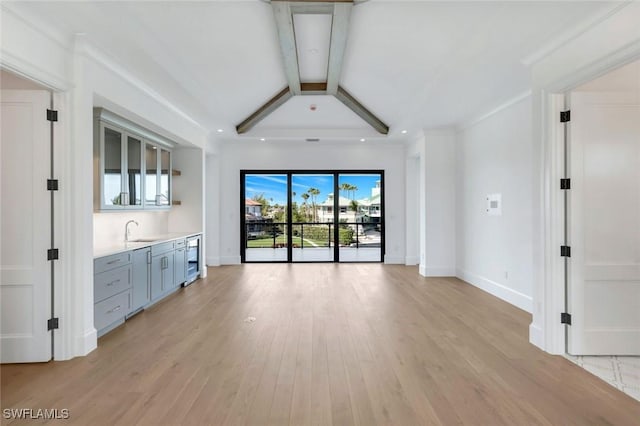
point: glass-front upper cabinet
(158, 176)
(132, 166)
(133, 182)
(111, 168)
(151, 174)
(165, 179)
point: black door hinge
(52, 184)
(565, 183)
(565, 116)
(52, 115)
(565, 251)
(52, 324)
(52, 254)
(565, 318)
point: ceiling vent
(312, 140)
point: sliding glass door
(312, 216)
(360, 217)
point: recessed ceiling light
(362, 139)
(262, 139)
(404, 132)
(220, 130)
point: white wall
(493, 155)
(440, 189)
(108, 227)
(188, 188)
(301, 156)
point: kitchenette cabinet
(126, 282)
(141, 286)
(162, 269)
(132, 165)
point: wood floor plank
(331, 344)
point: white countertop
(102, 250)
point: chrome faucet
(127, 232)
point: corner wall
(493, 155)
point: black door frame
(336, 209)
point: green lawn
(282, 239)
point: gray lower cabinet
(180, 266)
(162, 279)
(141, 285)
(112, 291)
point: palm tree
(305, 197)
(345, 187)
(353, 189)
(314, 192)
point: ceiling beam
(314, 88)
(339, 32)
(287, 38)
(272, 104)
(355, 106)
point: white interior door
(604, 224)
(25, 216)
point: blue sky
(275, 186)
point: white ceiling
(418, 64)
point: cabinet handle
(149, 257)
(114, 261)
(113, 282)
(116, 309)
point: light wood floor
(331, 344)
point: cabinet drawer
(102, 264)
(163, 248)
(181, 243)
(112, 309)
(108, 283)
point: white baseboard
(230, 260)
(411, 260)
(86, 343)
(505, 293)
(213, 261)
(422, 270)
(439, 271)
(389, 260)
(536, 337)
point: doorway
(312, 216)
(601, 251)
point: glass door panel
(266, 229)
(312, 217)
(165, 170)
(360, 217)
(112, 173)
(134, 171)
(151, 175)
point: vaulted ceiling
(415, 64)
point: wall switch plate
(494, 204)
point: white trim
(572, 33)
(86, 343)
(93, 53)
(536, 336)
(422, 270)
(213, 261)
(439, 271)
(390, 260)
(411, 260)
(518, 98)
(230, 260)
(32, 72)
(507, 294)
